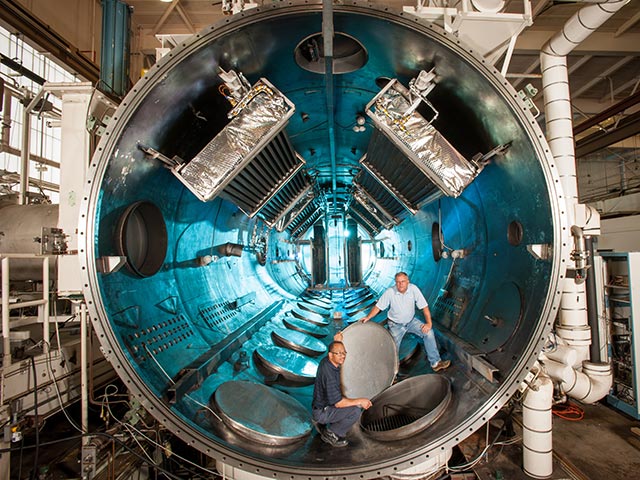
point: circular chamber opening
(515, 233)
(436, 241)
(407, 407)
(141, 237)
(348, 54)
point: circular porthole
(348, 54)
(515, 233)
(381, 82)
(142, 238)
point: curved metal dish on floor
(365, 307)
(310, 317)
(372, 360)
(305, 327)
(406, 408)
(359, 301)
(298, 341)
(280, 420)
(325, 312)
(293, 366)
(318, 302)
(350, 318)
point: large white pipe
(555, 87)
(573, 322)
(588, 386)
(537, 448)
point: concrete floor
(600, 446)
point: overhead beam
(627, 25)
(612, 95)
(185, 18)
(613, 68)
(619, 107)
(629, 127)
(579, 63)
(164, 17)
(533, 66)
(23, 21)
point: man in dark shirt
(333, 413)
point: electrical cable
(485, 450)
(568, 411)
(74, 425)
(101, 434)
(20, 459)
(156, 444)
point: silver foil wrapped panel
(257, 119)
(393, 114)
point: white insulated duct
(588, 386)
(572, 326)
(536, 428)
(555, 85)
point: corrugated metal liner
(397, 174)
(389, 202)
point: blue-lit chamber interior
(179, 332)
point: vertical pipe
(6, 339)
(537, 442)
(555, 88)
(24, 156)
(6, 118)
(26, 147)
(327, 36)
(84, 384)
(559, 126)
(45, 306)
(592, 309)
(623, 177)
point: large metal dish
(406, 408)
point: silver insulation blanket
(259, 117)
(420, 141)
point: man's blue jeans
(398, 330)
(338, 420)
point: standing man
(333, 413)
(402, 301)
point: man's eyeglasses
(342, 354)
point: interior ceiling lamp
(394, 113)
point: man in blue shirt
(333, 413)
(402, 301)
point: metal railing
(7, 305)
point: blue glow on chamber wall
(204, 305)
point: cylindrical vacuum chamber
(184, 315)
